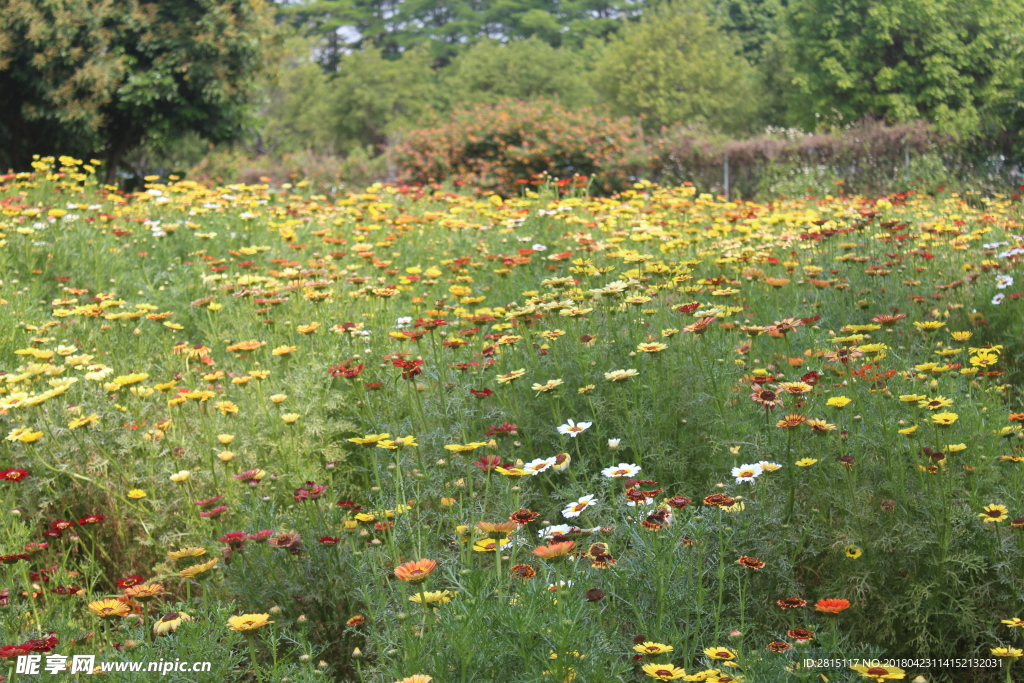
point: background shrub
(494, 147)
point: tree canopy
(85, 75)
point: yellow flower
(945, 419)
(853, 552)
(418, 678)
(190, 551)
(225, 439)
(460, 448)
(720, 653)
(489, 545)
(907, 431)
(197, 569)
(169, 623)
(1006, 652)
(663, 672)
(284, 350)
(430, 597)
(994, 513)
(586, 390)
(227, 407)
(550, 385)
(960, 336)
(24, 435)
(83, 421)
(290, 418)
(369, 439)
(930, 325)
(651, 648)
(514, 375)
(136, 493)
(912, 398)
(278, 398)
(838, 402)
(181, 476)
(109, 608)
(248, 622)
(226, 456)
(805, 462)
(878, 672)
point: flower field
(413, 435)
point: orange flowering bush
(503, 147)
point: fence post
(725, 173)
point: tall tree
(946, 61)
(676, 66)
(96, 76)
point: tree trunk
(118, 144)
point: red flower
(488, 462)
(345, 370)
(14, 475)
(208, 502)
(90, 519)
(14, 651)
(128, 582)
(329, 540)
(503, 429)
(373, 385)
(235, 539)
(261, 536)
(215, 512)
(62, 524)
(410, 368)
(481, 393)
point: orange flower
(555, 550)
(415, 571)
(832, 605)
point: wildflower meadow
(423, 434)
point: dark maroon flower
(208, 502)
(594, 594)
(11, 559)
(329, 540)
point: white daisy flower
(577, 508)
(623, 470)
(1004, 281)
(573, 428)
(746, 473)
(549, 532)
(539, 465)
